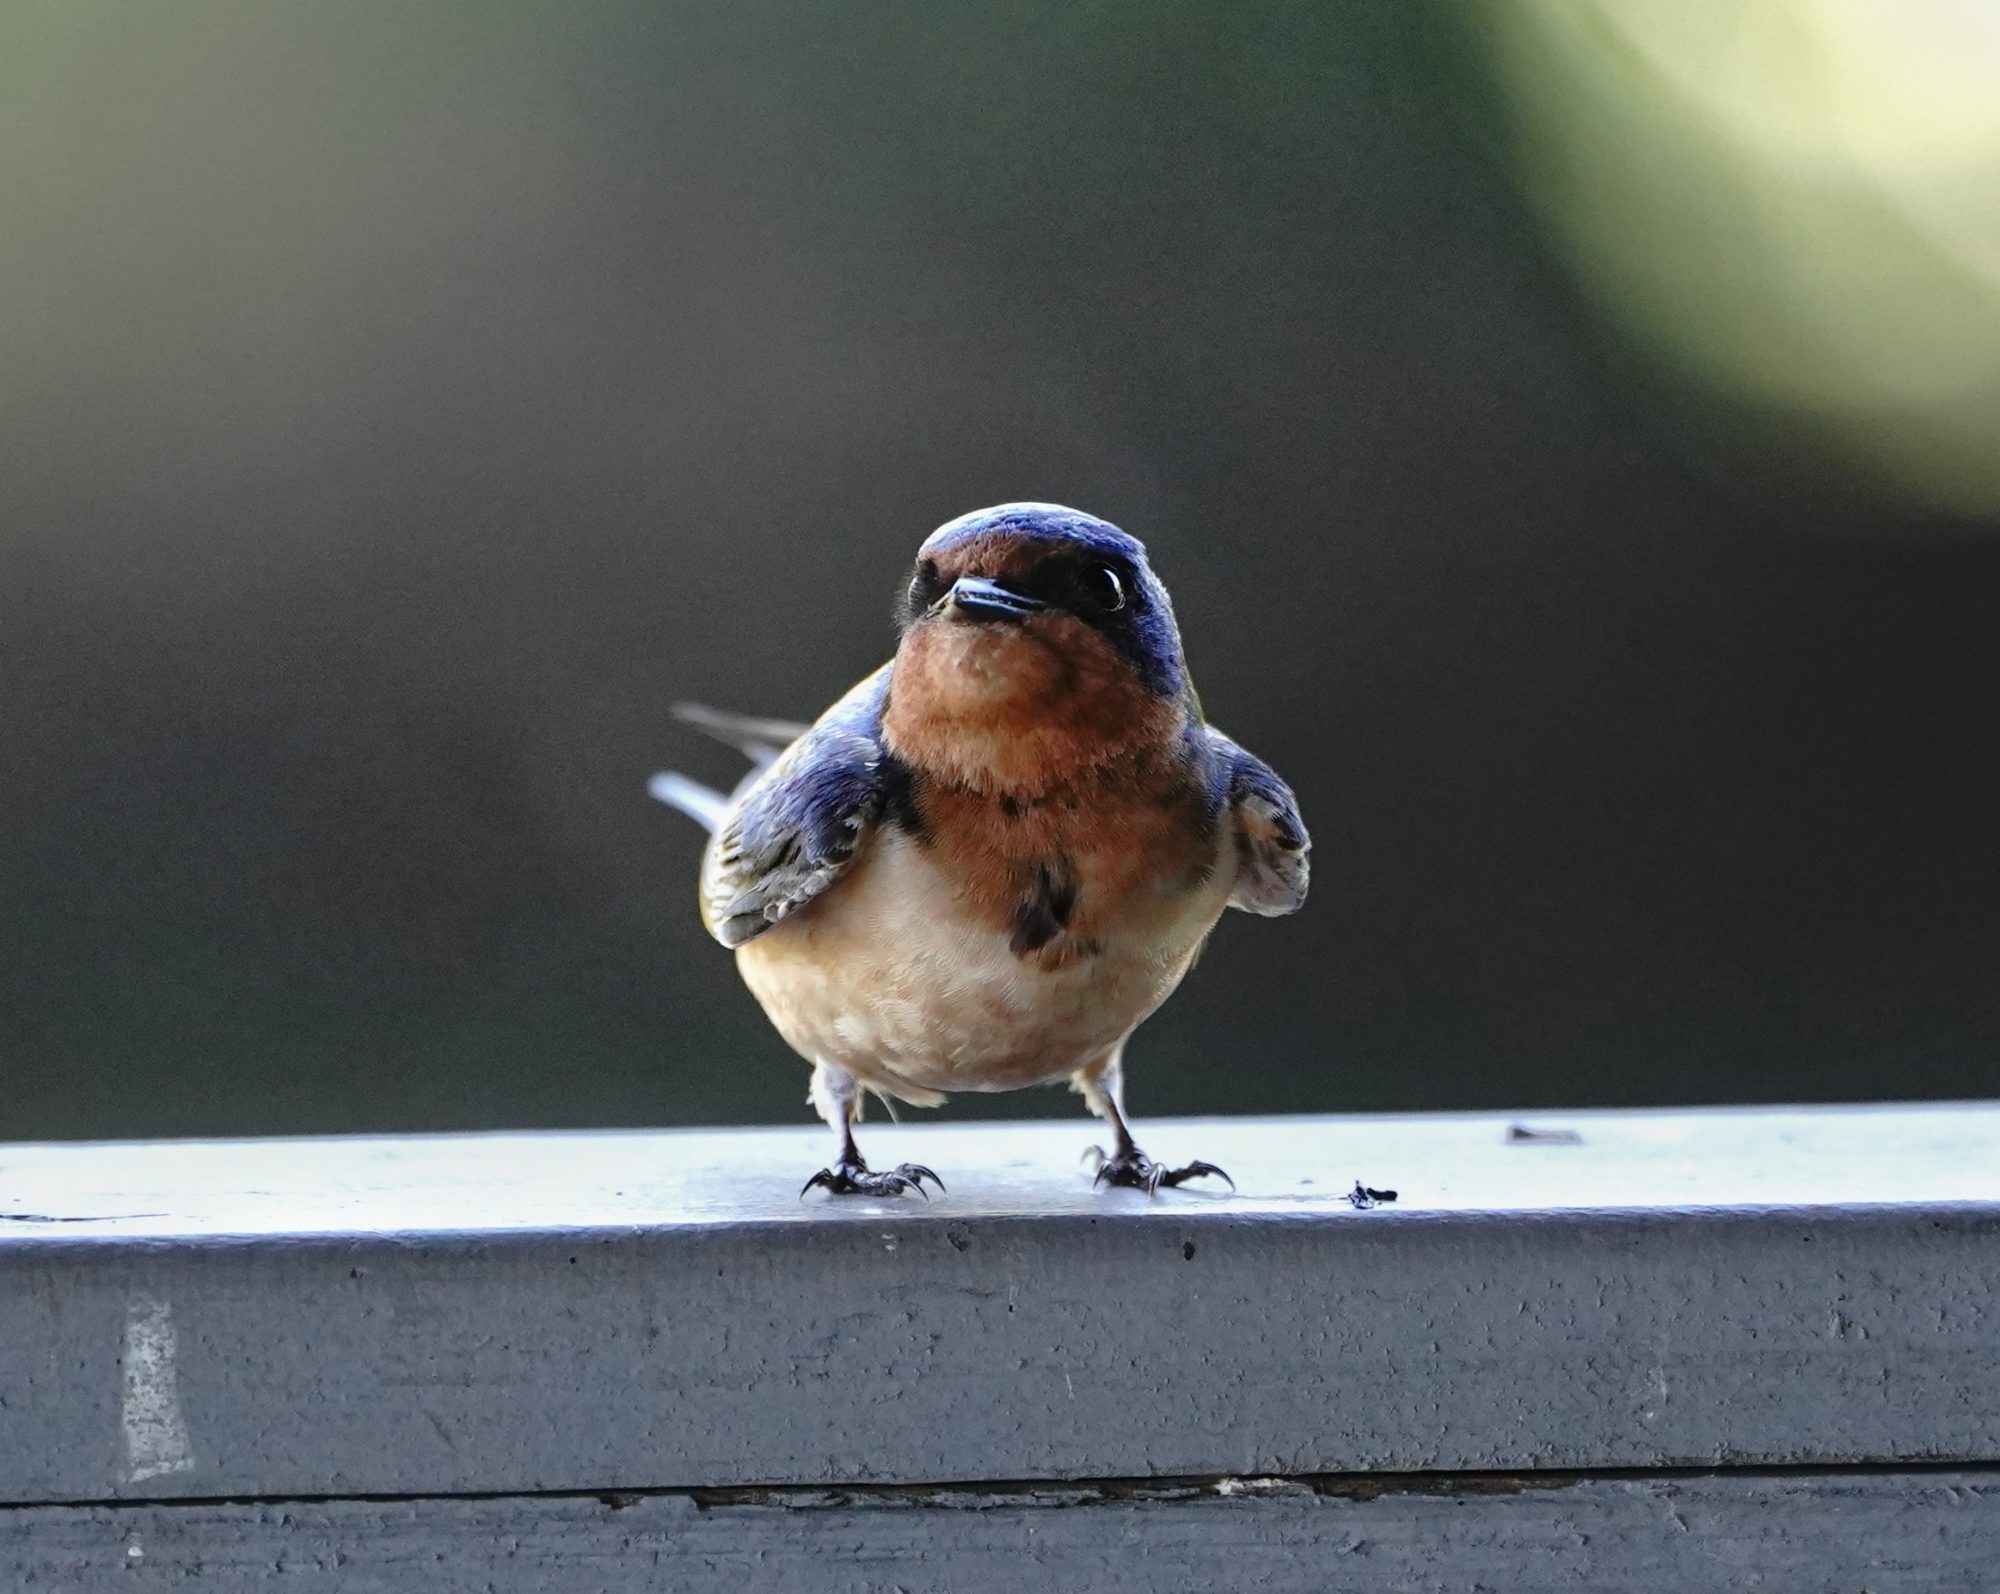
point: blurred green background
(1569, 432)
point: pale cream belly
(885, 977)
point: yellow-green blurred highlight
(1796, 200)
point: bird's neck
(1022, 727)
(1028, 756)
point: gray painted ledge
(1860, 1533)
(523, 1314)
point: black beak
(980, 599)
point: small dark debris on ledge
(1362, 1196)
(1523, 1135)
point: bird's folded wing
(788, 835)
(1273, 851)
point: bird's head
(1037, 644)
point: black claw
(856, 1178)
(1198, 1170)
(1137, 1171)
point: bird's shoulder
(793, 830)
(1273, 847)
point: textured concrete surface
(1883, 1533)
(620, 1312)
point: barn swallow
(997, 855)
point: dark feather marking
(899, 798)
(1045, 911)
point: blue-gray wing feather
(792, 831)
(1273, 851)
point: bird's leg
(837, 1099)
(1103, 1089)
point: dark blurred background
(1585, 499)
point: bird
(999, 853)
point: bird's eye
(925, 587)
(1103, 588)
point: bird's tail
(703, 804)
(759, 740)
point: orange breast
(1060, 871)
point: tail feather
(759, 740)
(703, 804)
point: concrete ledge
(639, 1312)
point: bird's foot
(856, 1178)
(1134, 1169)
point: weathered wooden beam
(531, 1313)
